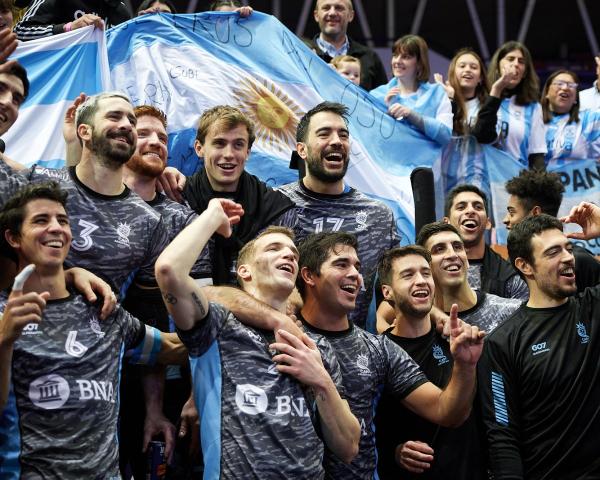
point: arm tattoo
(198, 302)
(170, 298)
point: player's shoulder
(510, 328)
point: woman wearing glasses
(569, 132)
(409, 97)
(520, 126)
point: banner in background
(59, 68)
(184, 64)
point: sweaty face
(468, 73)
(11, 98)
(514, 62)
(114, 136)
(562, 93)
(351, 71)
(327, 148)
(515, 212)
(150, 157)
(412, 287)
(333, 17)
(554, 264)
(468, 215)
(45, 236)
(339, 280)
(225, 153)
(449, 262)
(274, 265)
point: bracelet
(68, 27)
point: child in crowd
(348, 67)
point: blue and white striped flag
(184, 64)
(59, 68)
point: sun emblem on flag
(273, 112)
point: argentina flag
(59, 68)
(184, 64)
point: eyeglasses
(561, 84)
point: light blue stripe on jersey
(499, 396)
(48, 69)
(524, 147)
(206, 381)
(146, 352)
(10, 440)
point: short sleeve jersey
(539, 384)
(521, 130)
(458, 453)
(65, 379)
(574, 139)
(370, 364)
(115, 237)
(370, 220)
(255, 422)
(489, 311)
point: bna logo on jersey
(251, 399)
(362, 362)
(49, 392)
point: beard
(315, 165)
(409, 310)
(138, 165)
(112, 156)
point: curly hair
(537, 188)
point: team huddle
(290, 323)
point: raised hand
(389, 96)
(466, 341)
(300, 358)
(439, 79)
(587, 216)
(228, 212)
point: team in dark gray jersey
(254, 392)
(64, 362)
(449, 266)
(329, 284)
(351, 211)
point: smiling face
(11, 98)
(113, 135)
(339, 281)
(327, 148)
(553, 269)
(6, 19)
(562, 93)
(514, 61)
(449, 262)
(272, 267)
(468, 74)
(468, 215)
(333, 17)
(45, 235)
(225, 153)
(404, 66)
(412, 287)
(150, 157)
(515, 212)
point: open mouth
(122, 138)
(349, 288)
(227, 166)
(286, 267)
(567, 272)
(453, 267)
(470, 225)
(58, 244)
(421, 294)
